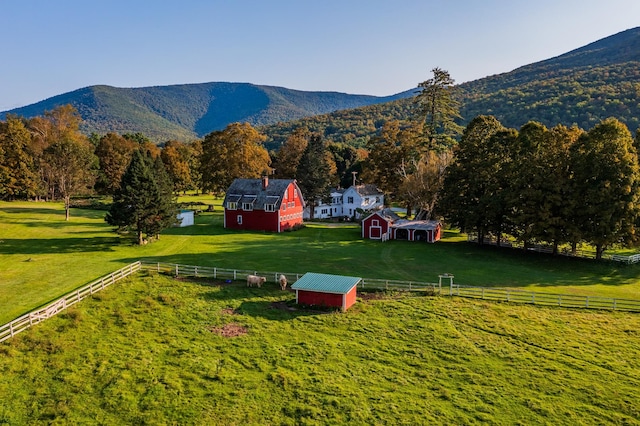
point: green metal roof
(326, 283)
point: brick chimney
(265, 182)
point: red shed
(337, 291)
(386, 225)
(263, 204)
(377, 225)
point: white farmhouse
(356, 201)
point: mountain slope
(581, 87)
(192, 110)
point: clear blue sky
(377, 47)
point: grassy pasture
(149, 350)
(42, 256)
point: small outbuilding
(332, 291)
(185, 218)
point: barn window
(292, 204)
(295, 193)
(284, 206)
(247, 206)
(239, 219)
(269, 208)
(232, 205)
(375, 222)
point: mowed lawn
(156, 350)
(43, 257)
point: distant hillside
(188, 111)
(581, 87)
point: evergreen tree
(438, 110)
(314, 172)
(144, 203)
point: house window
(292, 204)
(366, 200)
(350, 200)
(247, 206)
(324, 211)
(232, 205)
(375, 222)
(239, 219)
(377, 199)
(269, 207)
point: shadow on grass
(58, 245)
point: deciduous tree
(235, 152)
(71, 167)
(18, 174)
(114, 153)
(606, 181)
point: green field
(43, 257)
(155, 350)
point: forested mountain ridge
(582, 87)
(189, 111)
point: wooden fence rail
(548, 299)
(22, 323)
(489, 293)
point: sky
(373, 47)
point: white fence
(489, 293)
(544, 248)
(22, 323)
(547, 299)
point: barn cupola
(265, 182)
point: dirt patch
(229, 311)
(230, 330)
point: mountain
(188, 111)
(582, 87)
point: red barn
(386, 225)
(337, 291)
(263, 204)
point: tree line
(559, 186)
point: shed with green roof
(326, 290)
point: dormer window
(269, 208)
(232, 205)
(247, 206)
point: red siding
(320, 299)
(289, 215)
(368, 224)
(335, 300)
(351, 298)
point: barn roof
(252, 191)
(416, 224)
(326, 283)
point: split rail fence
(488, 293)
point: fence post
(586, 301)
(483, 292)
(177, 270)
(234, 274)
(614, 304)
(215, 272)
